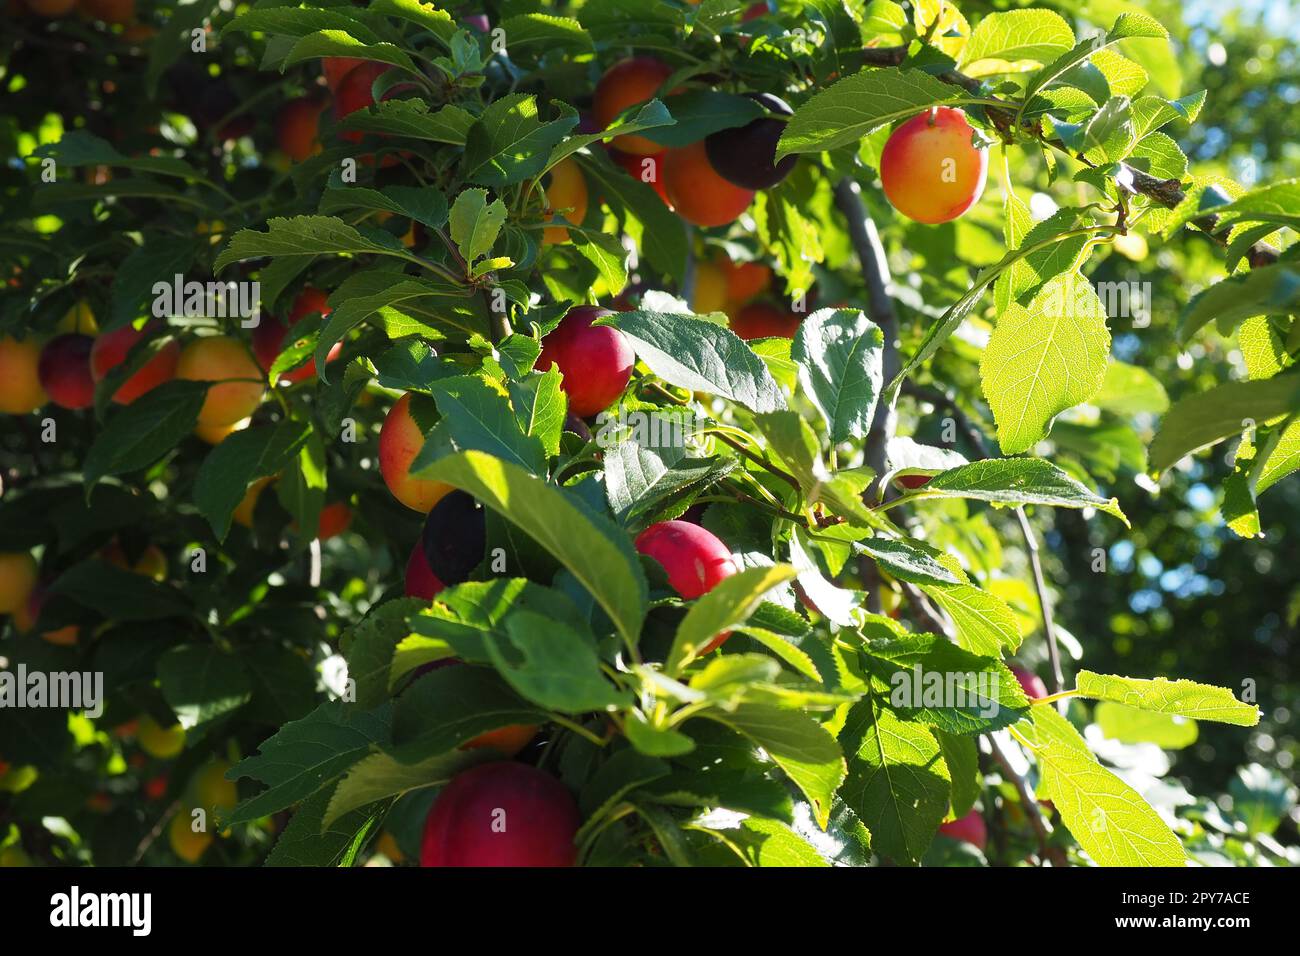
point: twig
(1042, 829)
(880, 309)
(1045, 605)
(975, 437)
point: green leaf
(799, 745)
(306, 235)
(602, 560)
(540, 406)
(762, 842)
(985, 625)
(660, 234)
(1129, 725)
(962, 757)
(931, 680)
(453, 705)
(1130, 390)
(729, 604)
(1043, 359)
(907, 561)
(699, 112)
(477, 415)
(606, 253)
(298, 22)
(370, 645)
(1017, 481)
(1267, 290)
(424, 204)
(139, 434)
(1184, 698)
(694, 354)
(306, 755)
(475, 223)
(897, 781)
(411, 118)
(118, 594)
(510, 143)
(380, 776)
(1040, 35)
(306, 841)
(202, 683)
(1204, 419)
(552, 665)
(796, 444)
(839, 352)
(543, 30)
(80, 148)
(324, 43)
(854, 106)
(237, 462)
(641, 481)
(1109, 818)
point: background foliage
(168, 162)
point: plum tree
(501, 814)
(64, 369)
(694, 558)
(157, 741)
(20, 380)
(698, 194)
(970, 828)
(17, 580)
(745, 156)
(566, 194)
(227, 362)
(270, 334)
(760, 320)
(912, 482)
(930, 169)
(297, 127)
(1030, 682)
(400, 440)
(596, 361)
(629, 83)
(111, 349)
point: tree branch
(975, 437)
(1042, 829)
(880, 309)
